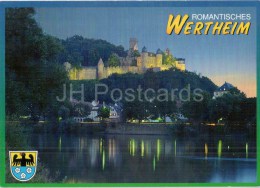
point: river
(143, 158)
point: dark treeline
(87, 52)
(33, 73)
(233, 107)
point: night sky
(230, 58)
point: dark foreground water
(132, 158)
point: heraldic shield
(23, 164)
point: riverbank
(147, 129)
(18, 139)
(179, 128)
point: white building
(222, 90)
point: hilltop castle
(134, 62)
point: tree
(151, 80)
(136, 110)
(104, 112)
(31, 67)
(136, 53)
(113, 61)
(81, 110)
(227, 107)
(197, 110)
(165, 108)
(168, 60)
(64, 112)
(87, 52)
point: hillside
(78, 50)
(170, 79)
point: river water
(143, 158)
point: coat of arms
(23, 164)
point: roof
(144, 49)
(100, 62)
(225, 87)
(181, 60)
(159, 51)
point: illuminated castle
(132, 63)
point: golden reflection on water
(132, 147)
(109, 150)
(142, 148)
(59, 144)
(154, 163)
(219, 148)
(246, 150)
(158, 149)
(109, 153)
(100, 145)
(206, 150)
(103, 160)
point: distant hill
(78, 50)
(170, 79)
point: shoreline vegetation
(144, 128)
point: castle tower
(144, 56)
(167, 51)
(133, 44)
(159, 58)
(67, 66)
(100, 69)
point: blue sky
(221, 58)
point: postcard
(129, 93)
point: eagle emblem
(23, 164)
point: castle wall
(165, 67)
(88, 73)
(83, 73)
(149, 61)
(120, 70)
(73, 74)
(144, 62)
(139, 62)
(159, 60)
(104, 72)
(180, 66)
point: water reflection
(154, 163)
(148, 158)
(175, 148)
(219, 148)
(206, 150)
(158, 149)
(103, 160)
(246, 150)
(142, 148)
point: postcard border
(4, 5)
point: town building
(114, 111)
(225, 88)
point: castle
(139, 64)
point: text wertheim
(212, 24)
